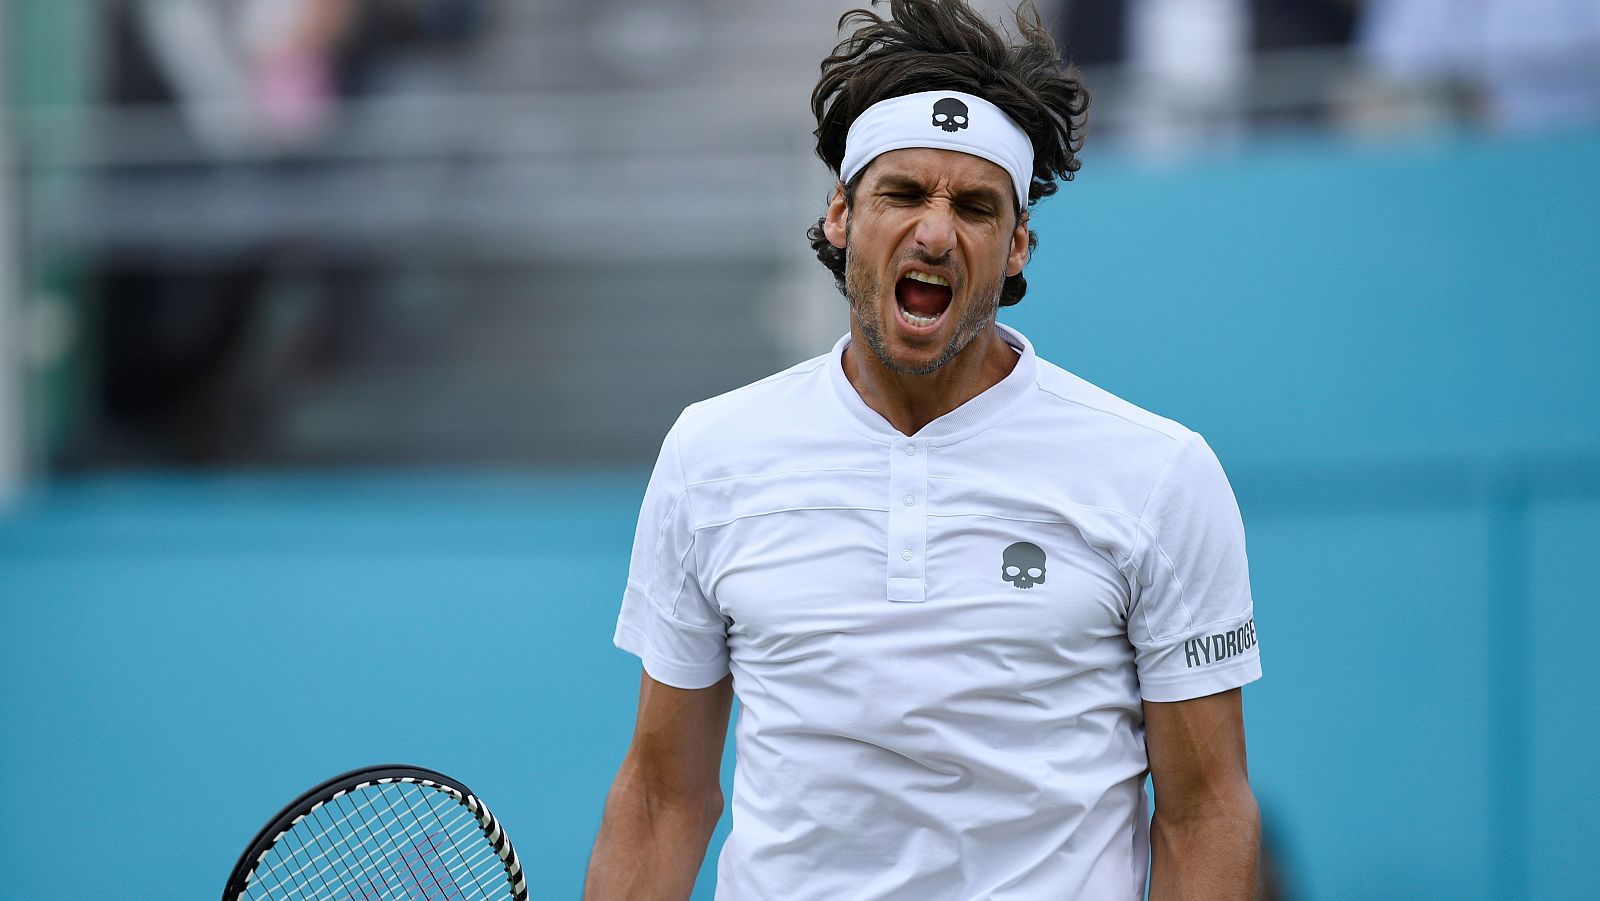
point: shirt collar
(964, 421)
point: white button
(911, 450)
(905, 554)
(910, 501)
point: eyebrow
(907, 183)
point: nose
(936, 233)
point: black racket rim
(320, 793)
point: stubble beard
(860, 287)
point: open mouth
(922, 298)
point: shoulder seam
(1161, 477)
(692, 552)
(782, 473)
(1146, 426)
(803, 368)
(1144, 528)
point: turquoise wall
(1391, 348)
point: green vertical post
(51, 57)
(12, 371)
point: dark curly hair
(934, 45)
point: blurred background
(337, 338)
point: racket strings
(381, 868)
(374, 862)
(400, 841)
(323, 816)
(481, 848)
(380, 875)
(315, 831)
(290, 848)
(428, 869)
(304, 838)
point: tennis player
(967, 600)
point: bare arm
(666, 798)
(1206, 833)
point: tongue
(922, 298)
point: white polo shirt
(939, 642)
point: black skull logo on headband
(950, 114)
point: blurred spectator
(1091, 32)
(243, 72)
(167, 336)
(1293, 24)
(1189, 62)
(1531, 64)
(257, 83)
(1095, 31)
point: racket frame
(344, 783)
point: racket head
(242, 884)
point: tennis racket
(382, 833)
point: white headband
(946, 120)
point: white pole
(12, 443)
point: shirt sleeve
(1192, 623)
(666, 620)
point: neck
(910, 402)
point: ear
(1019, 247)
(837, 222)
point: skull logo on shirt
(1023, 565)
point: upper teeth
(928, 277)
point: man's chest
(874, 564)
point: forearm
(1206, 854)
(650, 846)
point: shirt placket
(908, 521)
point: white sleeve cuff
(1202, 682)
(662, 667)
